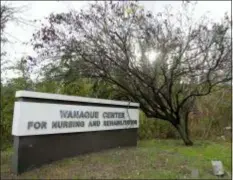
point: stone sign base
(34, 151)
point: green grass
(152, 159)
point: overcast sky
(39, 9)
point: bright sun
(152, 56)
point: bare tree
(116, 42)
(10, 14)
(6, 15)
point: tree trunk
(183, 131)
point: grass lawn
(162, 159)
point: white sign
(34, 118)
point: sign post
(49, 127)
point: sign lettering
(44, 118)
